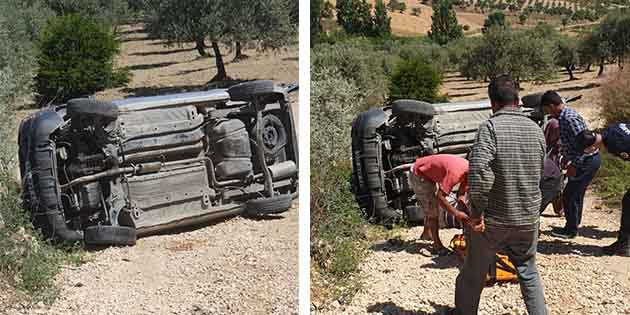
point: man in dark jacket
(616, 139)
(581, 167)
(506, 165)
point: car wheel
(93, 108)
(109, 235)
(274, 135)
(412, 107)
(244, 92)
(272, 205)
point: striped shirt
(571, 125)
(506, 164)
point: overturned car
(107, 172)
(397, 134)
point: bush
(336, 236)
(612, 179)
(615, 98)
(76, 58)
(359, 62)
(416, 79)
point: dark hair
(585, 139)
(551, 98)
(502, 90)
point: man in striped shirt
(581, 167)
(506, 165)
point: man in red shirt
(432, 179)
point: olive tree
(265, 22)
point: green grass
(612, 180)
(28, 262)
(340, 236)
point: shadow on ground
(398, 245)
(151, 66)
(159, 52)
(562, 247)
(579, 88)
(390, 308)
(162, 90)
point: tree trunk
(570, 71)
(588, 68)
(601, 68)
(221, 75)
(239, 53)
(199, 45)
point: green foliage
(526, 55)
(108, 12)
(612, 179)
(76, 58)
(567, 55)
(382, 22)
(444, 25)
(395, 5)
(359, 62)
(615, 98)
(266, 23)
(522, 18)
(615, 30)
(316, 20)
(496, 18)
(354, 17)
(416, 79)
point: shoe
(442, 252)
(563, 233)
(611, 249)
(621, 247)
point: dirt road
(234, 266)
(400, 278)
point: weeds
(612, 179)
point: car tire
(244, 92)
(271, 205)
(413, 107)
(274, 135)
(93, 108)
(110, 235)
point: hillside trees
(444, 25)
(354, 17)
(316, 20)
(567, 55)
(496, 18)
(266, 22)
(382, 22)
(526, 55)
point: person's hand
(462, 216)
(477, 224)
(571, 172)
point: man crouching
(432, 179)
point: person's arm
(399, 167)
(458, 214)
(480, 175)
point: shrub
(612, 179)
(336, 235)
(76, 58)
(416, 79)
(615, 98)
(359, 62)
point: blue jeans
(575, 189)
(520, 246)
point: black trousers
(625, 215)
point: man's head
(552, 104)
(503, 93)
